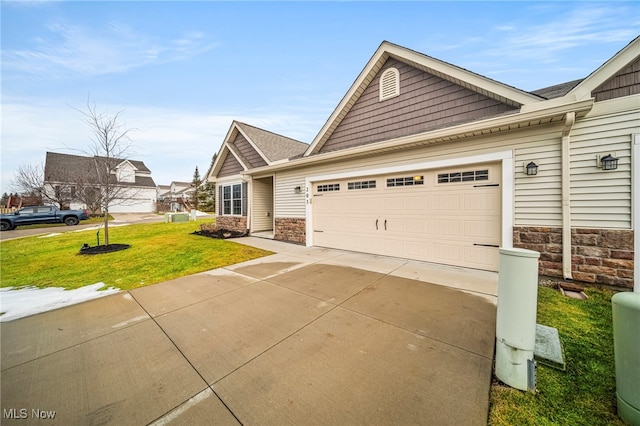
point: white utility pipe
(570, 119)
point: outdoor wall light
(608, 162)
(297, 189)
(531, 169)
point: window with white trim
(389, 83)
(232, 199)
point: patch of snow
(25, 301)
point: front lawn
(159, 252)
(584, 394)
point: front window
(232, 199)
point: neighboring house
(73, 173)
(425, 160)
(176, 196)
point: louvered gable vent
(389, 83)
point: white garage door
(449, 216)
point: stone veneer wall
(292, 230)
(232, 223)
(599, 256)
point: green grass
(159, 252)
(584, 394)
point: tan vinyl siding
(603, 198)
(538, 199)
(247, 152)
(230, 167)
(425, 102)
(625, 83)
(288, 203)
(262, 212)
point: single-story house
(424, 160)
(134, 189)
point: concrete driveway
(305, 336)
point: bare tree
(29, 179)
(110, 146)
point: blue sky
(180, 72)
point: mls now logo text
(23, 413)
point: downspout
(570, 119)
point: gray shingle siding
(426, 102)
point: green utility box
(626, 345)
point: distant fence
(5, 210)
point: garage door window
(405, 181)
(470, 176)
(365, 184)
(329, 187)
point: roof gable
(424, 102)
(474, 82)
(247, 147)
(622, 59)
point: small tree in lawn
(110, 146)
(195, 183)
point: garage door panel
(451, 202)
(479, 256)
(436, 221)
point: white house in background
(176, 196)
(424, 160)
(71, 172)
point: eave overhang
(522, 120)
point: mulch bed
(221, 234)
(105, 248)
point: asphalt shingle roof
(66, 168)
(275, 147)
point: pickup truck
(41, 214)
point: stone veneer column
(292, 230)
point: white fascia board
(254, 146)
(124, 163)
(466, 76)
(607, 70)
(463, 129)
(428, 62)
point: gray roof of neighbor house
(67, 168)
(557, 90)
(275, 147)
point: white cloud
(95, 51)
(171, 142)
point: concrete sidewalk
(305, 336)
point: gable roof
(625, 56)
(557, 90)
(460, 76)
(268, 146)
(66, 168)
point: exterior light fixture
(609, 162)
(531, 169)
(297, 189)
